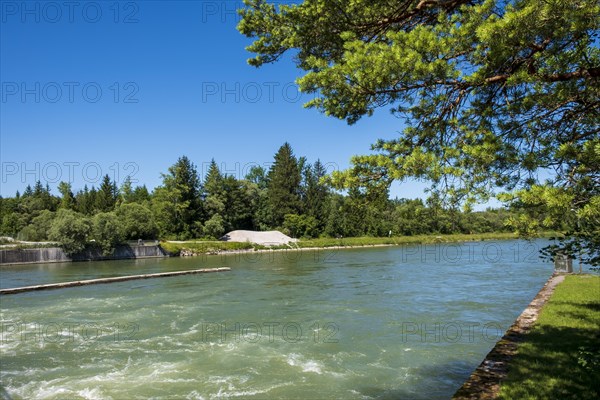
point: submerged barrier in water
(108, 280)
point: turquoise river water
(406, 322)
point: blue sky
(96, 87)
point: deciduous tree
(71, 230)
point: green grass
(24, 246)
(397, 240)
(560, 358)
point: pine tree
(316, 193)
(214, 189)
(140, 194)
(489, 92)
(38, 189)
(107, 195)
(178, 202)
(85, 200)
(238, 204)
(28, 191)
(283, 189)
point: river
(406, 322)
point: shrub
(301, 225)
(214, 227)
(39, 227)
(71, 230)
(107, 231)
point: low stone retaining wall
(484, 382)
(56, 254)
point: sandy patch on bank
(269, 238)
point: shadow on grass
(548, 365)
(591, 306)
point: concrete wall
(56, 254)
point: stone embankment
(56, 254)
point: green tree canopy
(214, 227)
(39, 227)
(67, 199)
(136, 221)
(495, 93)
(129, 194)
(71, 230)
(257, 175)
(107, 231)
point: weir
(61, 285)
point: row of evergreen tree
(291, 196)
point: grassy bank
(207, 247)
(204, 247)
(560, 358)
(398, 240)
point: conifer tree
(106, 197)
(214, 190)
(177, 203)
(283, 190)
(316, 192)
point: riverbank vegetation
(213, 247)
(399, 240)
(293, 196)
(561, 357)
(197, 247)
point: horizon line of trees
(292, 196)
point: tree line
(293, 196)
